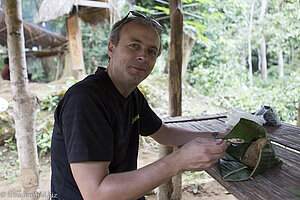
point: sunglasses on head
(137, 14)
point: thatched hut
(47, 43)
(91, 12)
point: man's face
(133, 59)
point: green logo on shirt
(135, 118)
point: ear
(111, 49)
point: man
(5, 73)
(98, 122)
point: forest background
(218, 66)
(217, 77)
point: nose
(142, 56)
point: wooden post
(176, 19)
(165, 190)
(75, 46)
(175, 91)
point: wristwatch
(215, 135)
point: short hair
(6, 61)
(117, 27)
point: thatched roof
(34, 35)
(92, 12)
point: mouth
(140, 69)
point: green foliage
(284, 96)
(227, 89)
(10, 143)
(94, 42)
(217, 64)
(210, 80)
(50, 102)
(196, 179)
(43, 138)
(45, 118)
(8, 162)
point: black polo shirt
(94, 122)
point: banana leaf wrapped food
(255, 155)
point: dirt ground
(194, 186)
(39, 89)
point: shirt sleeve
(150, 122)
(87, 133)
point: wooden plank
(273, 184)
(286, 134)
(205, 125)
(193, 118)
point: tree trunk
(264, 75)
(249, 44)
(24, 103)
(59, 67)
(264, 72)
(298, 118)
(48, 68)
(280, 63)
(188, 44)
(259, 60)
(167, 66)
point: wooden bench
(277, 183)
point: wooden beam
(95, 4)
(40, 53)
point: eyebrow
(139, 41)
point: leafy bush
(43, 138)
(94, 42)
(227, 86)
(50, 102)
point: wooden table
(273, 184)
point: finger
(218, 141)
(224, 145)
(207, 141)
(218, 149)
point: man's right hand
(200, 154)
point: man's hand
(200, 154)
